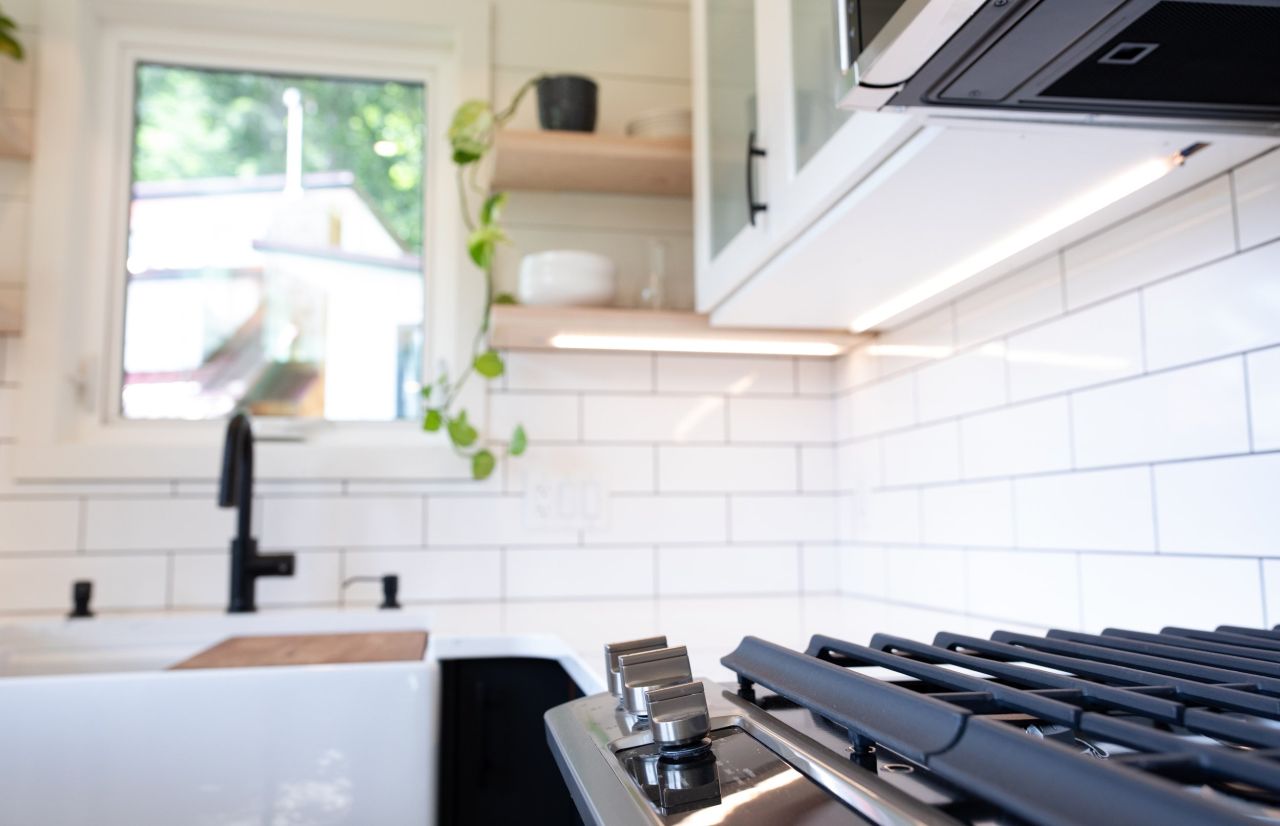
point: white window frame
(70, 426)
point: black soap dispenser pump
(81, 594)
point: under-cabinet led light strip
(1070, 213)
(663, 344)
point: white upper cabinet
(772, 148)
(808, 216)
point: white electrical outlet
(565, 502)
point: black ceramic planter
(567, 103)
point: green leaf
(425, 392)
(471, 131)
(518, 441)
(10, 46)
(505, 298)
(482, 243)
(432, 421)
(491, 210)
(482, 464)
(461, 433)
(489, 364)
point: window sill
(294, 461)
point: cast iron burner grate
(1188, 721)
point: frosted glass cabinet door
(817, 82)
(731, 108)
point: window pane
(275, 246)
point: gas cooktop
(1123, 727)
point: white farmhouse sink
(94, 731)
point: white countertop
(709, 626)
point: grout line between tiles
(1155, 513)
(1248, 402)
(1262, 589)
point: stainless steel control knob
(651, 669)
(678, 715)
(614, 650)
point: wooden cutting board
(311, 649)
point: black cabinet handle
(753, 152)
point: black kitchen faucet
(236, 491)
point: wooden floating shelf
(584, 162)
(606, 328)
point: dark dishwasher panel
(495, 765)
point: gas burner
(1180, 727)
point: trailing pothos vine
(471, 136)
(9, 43)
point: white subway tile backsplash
(968, 382)
(119, 582)
(858, 465)
(654, 418)
(545, 418)
(426, 576)
(579, 371)
(727, 468)
(543, 573)
(1147, 592)
(885, 405)
(721, 476)
(1088, 347)
(676, 518)
(1257, 186)
(815, 377)
(1029, 295)
(933, 577)
(618, 468)
(747, 569)
(487, 521)
(1098, 510)
(725, 374)
(36, 525)
(864, 570)
(1264, 398)
(1194, 411)
(979, 513)
(342, 522)
(1226, 506)
(926, 454)
(1271, 591)
(916, 342)
(1041, 588)
(854, 369)
(1183, 232)
(1219, 309)
(795, 421)
(818, 469)
(156, 524)
(1026, 438)
(887, 516)
(820, 569)
(806, 518)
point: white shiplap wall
(1094, 439)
